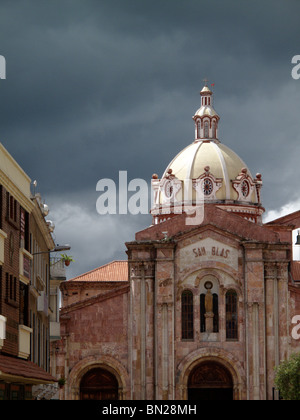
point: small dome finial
(206, 118)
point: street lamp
(58, 248)
(61, 248)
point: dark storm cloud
(95, 87)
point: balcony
(42, 303)
(57, 269)
(57, 275)
(3, 236)
(54, 330)
(2, 330)
(24, 341)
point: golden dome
(209, 171)
(205, 110)
(224, 164)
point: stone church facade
(203, 306)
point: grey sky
(95, 87)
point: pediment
(216, 217)
(207, 251)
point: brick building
(24, 348)
(203, 306)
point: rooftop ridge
(109, 267)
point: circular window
(207, 186)
(208, 285)
(245, 188)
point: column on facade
(283, 313)
(255, 322)
(164, 323)
(271, 292)
(151, 340)
(141, 342)
(277, 323)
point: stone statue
(208, 302)
(209, 314)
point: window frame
(187, 315)
(231, 315)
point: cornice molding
(23, 200)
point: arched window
(216, 312)
(231, 315)
(214, 131)
(206, 129)
(187, 315)
(198, 129)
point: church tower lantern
(206, 118)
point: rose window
(207, 186)
(245, 188)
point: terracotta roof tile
(113, 271)
(12, 366)
(214, 216)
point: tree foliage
(287, 378)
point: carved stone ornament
(270, 270)
(169, 187)
(210, 375)
(136, 269)
(244, 185)
(206, 185)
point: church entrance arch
(99, 384)
(209, 381)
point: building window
(24, 229)
(23, 313)
(198, 129)
(11, 209)
(202, 312)
(216, 312)
(34, 340)
(11, 289)
(207, 186)
(206, 130)
(245, 188)
(214, 131)
(231, 315)
(187, 315)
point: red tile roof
(214, 216)
(14, 369)
(113, 271)
(291, 219)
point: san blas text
(213, 252)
